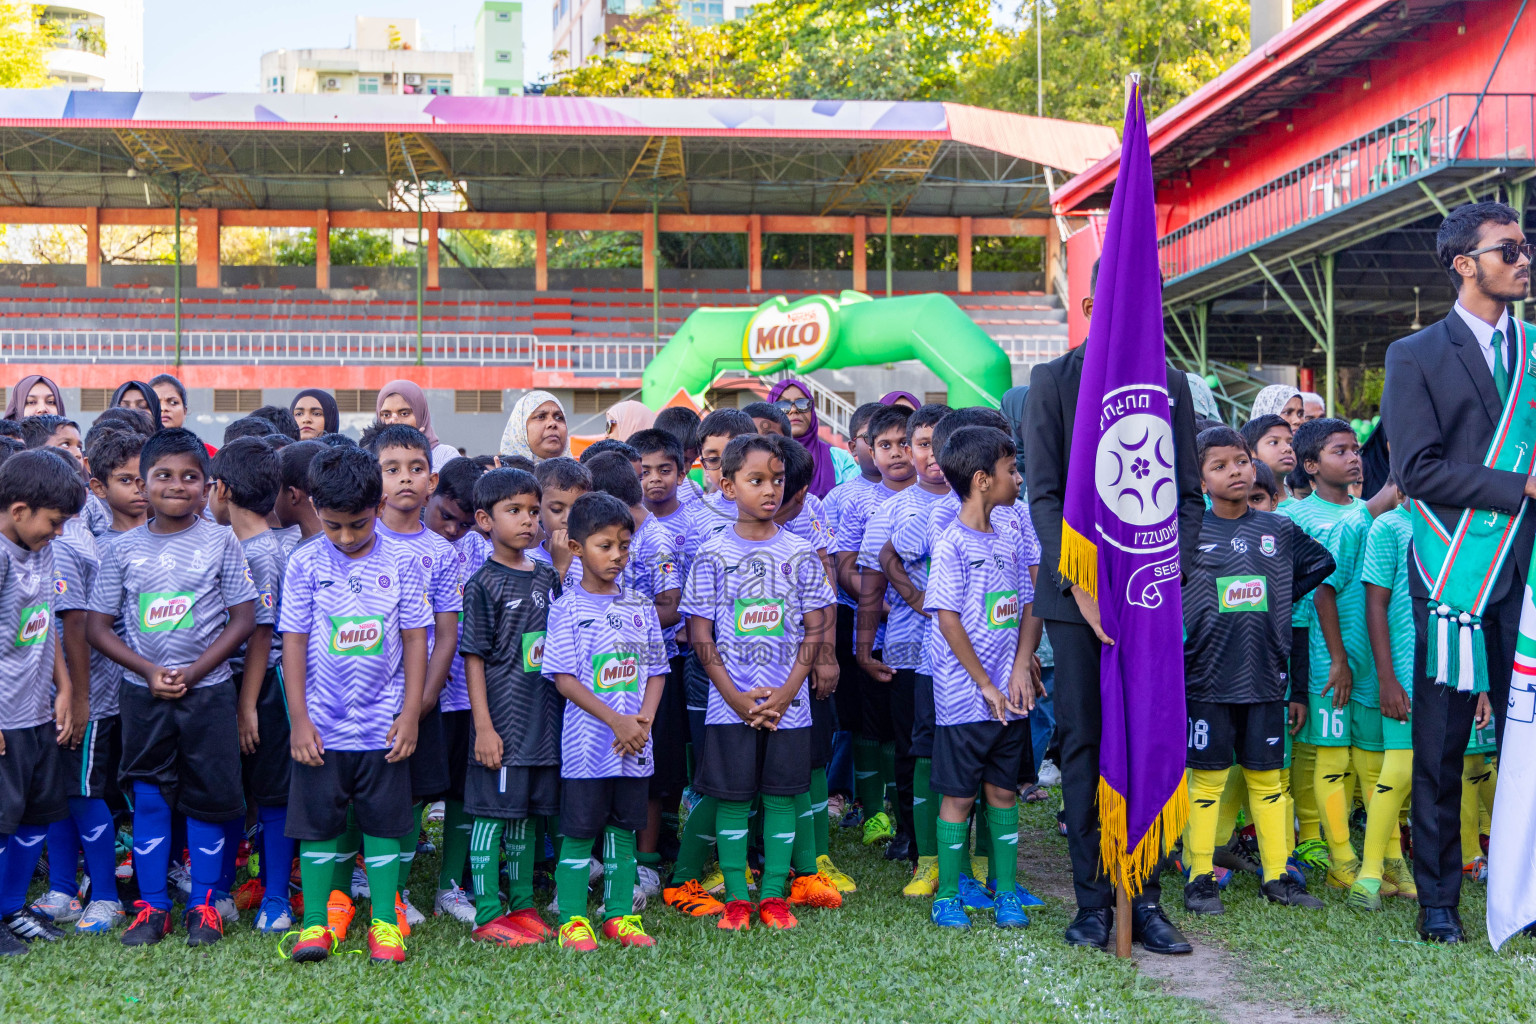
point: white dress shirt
(1483, 332)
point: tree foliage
(25, 44)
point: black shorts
(267, 770)
(1301, 665)
(902, 689)
(189, 747)
(587, 806)
(429, 761)
(965, 756)
(90, 770)
(823, 726)
(696, 684)
(377, 791)
(33, 790)
(459, 742)
(923, 721)
(850, 678)
(1251, 734)
(669, 738)
(737, 762)
(511, 791)
(875, 710)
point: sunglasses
(1509, 252)
(804, 404)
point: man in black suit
(1440, 408)
(1049, 414)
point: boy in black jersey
(1249, 568)
(514, 769)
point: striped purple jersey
(265, 555)
(348, 613)
(983, 578)
(611, 644)
(757, 594)
(853, 511)
(809, 524)
(471, 551)
(439, 564)
(28, 589)
(175, 591)
(572, 572)
(902, 646)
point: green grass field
(876, 959)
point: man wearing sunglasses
(1459, 410)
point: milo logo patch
(1242, 593)
(612, 673)
(1003, 609)
(533, 651)
(33, 625)
(165, 610)
(357, 635)
(759, 617)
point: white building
(386, 59)
(100, 44)
(580, 24)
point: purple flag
(1120, 538)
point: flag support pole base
(1122, 923)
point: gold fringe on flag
(1131, 869)
(1079, 560)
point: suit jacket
(1440, 408)
(1049, 413)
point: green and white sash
(1459, 565)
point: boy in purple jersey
(874, 739)
(603, 640)
(38, 492)
(561, 481)
(354, 616)
(514, 780)
(246, 479)
(182, 584)
(405, 461)
(901, 651)
(758, 604)
(979, 592)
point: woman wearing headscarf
(794, 400)
(1279, 400)
(34, 394)
(626, 418)
(1204, 398)
(897, 397)
(135, 394)
(536, 428)
(315, 412)
(403, 401)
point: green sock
(731, 842)
(983, 834)
(803, 856)
(485, 864)
(819, 821)
(778, 846)
(1003, 823)
(348, 845)
(407, 845)
(571, 877)
(925, 808)
(952, 837)
(650, 858)
(456, 836)
(381, 859)
(618, 872)
(520, 835)
(317, 859)
(887, 777)
(867, 784)
(697, 841)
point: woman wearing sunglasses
(833, 465)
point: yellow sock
(1290, 809)
(1475, 771)
(1394, 780)
(1266, 805)
(1304, 791)
(1485, 791)
(1330, 783)
(1205, 790)
(1232, 799)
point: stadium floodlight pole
(176, 178)
(890, 255)
(421, 258)
(656, 267)
(1039, 65)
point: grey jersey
(98, 518)
(26, 635)
(76, 562)
(267, 557)
(288, 537)
(175, 590)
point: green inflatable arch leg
(822, 332)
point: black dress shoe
(1090, 928)
(1151, 927)
(1439, 924)
(900, 848)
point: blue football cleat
(949, 914)
(1010, 914)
